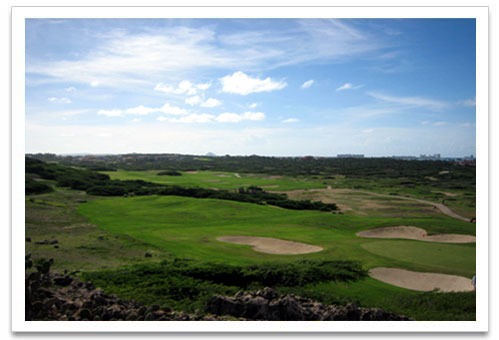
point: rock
(147, 255)
(42, 242)
(28, 239)
(63, 281)
(268, 305)
(84, 313)
(56, 247)
(54, 242)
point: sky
(274, 87)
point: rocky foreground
(268, 305)
(53, 296)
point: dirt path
(441, 207)
(237, 175)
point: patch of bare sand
(269, 186)
(414, 233)
(421, 281)
(271, 245)
(223, 175)
(191, 172)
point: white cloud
(253, 105)
(193, 100)
(140, 110)
(122, 58)
(307, 84)
(410, 101)
(135, 120)
(211, 102)
(348, 86)
(172, 110)
(70, 89)
(184, 87)
(62, 100)
(440, 123)
(228, 117)
(204, 86)
(110, 113)
(291, 120)
(192, 118)
(163, 88)
(241, 83)
(467, 102)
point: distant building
(348, 155)
(434, 157)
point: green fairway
(218, 180)
(188, 227)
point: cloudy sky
(280, 87)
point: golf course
(396, 252)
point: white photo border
(19, 14)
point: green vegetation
(35, 187)
(158, 244)
(188, 284)
(220, 180)
(101, 185)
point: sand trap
(414, 233)
(223, 175)
(272, 245)
(421, 281)
(191, 172)
(269, 186)
(237, 175)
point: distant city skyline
(272, 87)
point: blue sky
(281, 87)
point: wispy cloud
(191, 118)
(349, 86)
(62, 100)
(467, 102)
(123, 58)
(307, 84)
(235, 118)
(410, 101)
(241, 83)
(70, 89)
(211, 102)
(184, 87)
(291, 120)
(110, 113)
(193, 100)
(166, 109)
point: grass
(219, 180)
(187, 227)
(108, 237)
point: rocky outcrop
(61, 297)
(268, 305)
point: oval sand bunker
(421, 281)
(271, 245)
(414, 233)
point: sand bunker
(421, 281)
(191, 172)
(271, 245)
(414, 233)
